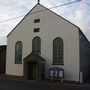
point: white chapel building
(43, 40)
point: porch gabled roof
(34, 58)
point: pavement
(7, 84)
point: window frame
(36, 30)
(61, 57)
(39, 45)
(17, 51)
(36, 20)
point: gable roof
(50, 11)
(38, 12)
(32, 57)
(22, 19)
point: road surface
(6, 84)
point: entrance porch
(34, 66)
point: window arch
(18, 52)
(57, 51)
(36, 45)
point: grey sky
(78, 13)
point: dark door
(32, 71)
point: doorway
(32, 71)
(34, 66)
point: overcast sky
(78, 13)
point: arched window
(58, 51)
(18, 52)
(36, 45)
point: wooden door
(32, 71)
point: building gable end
(40, 10)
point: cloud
(14, 8)
(76, 13)
(80, 16)
(3, 40)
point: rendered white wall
(51, 26)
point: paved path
(6, 84)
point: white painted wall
(51, 26)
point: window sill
(18, 63)
(58, 64)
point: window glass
(36, 45)
(58, 51)
(36, 20)
(18, 52)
